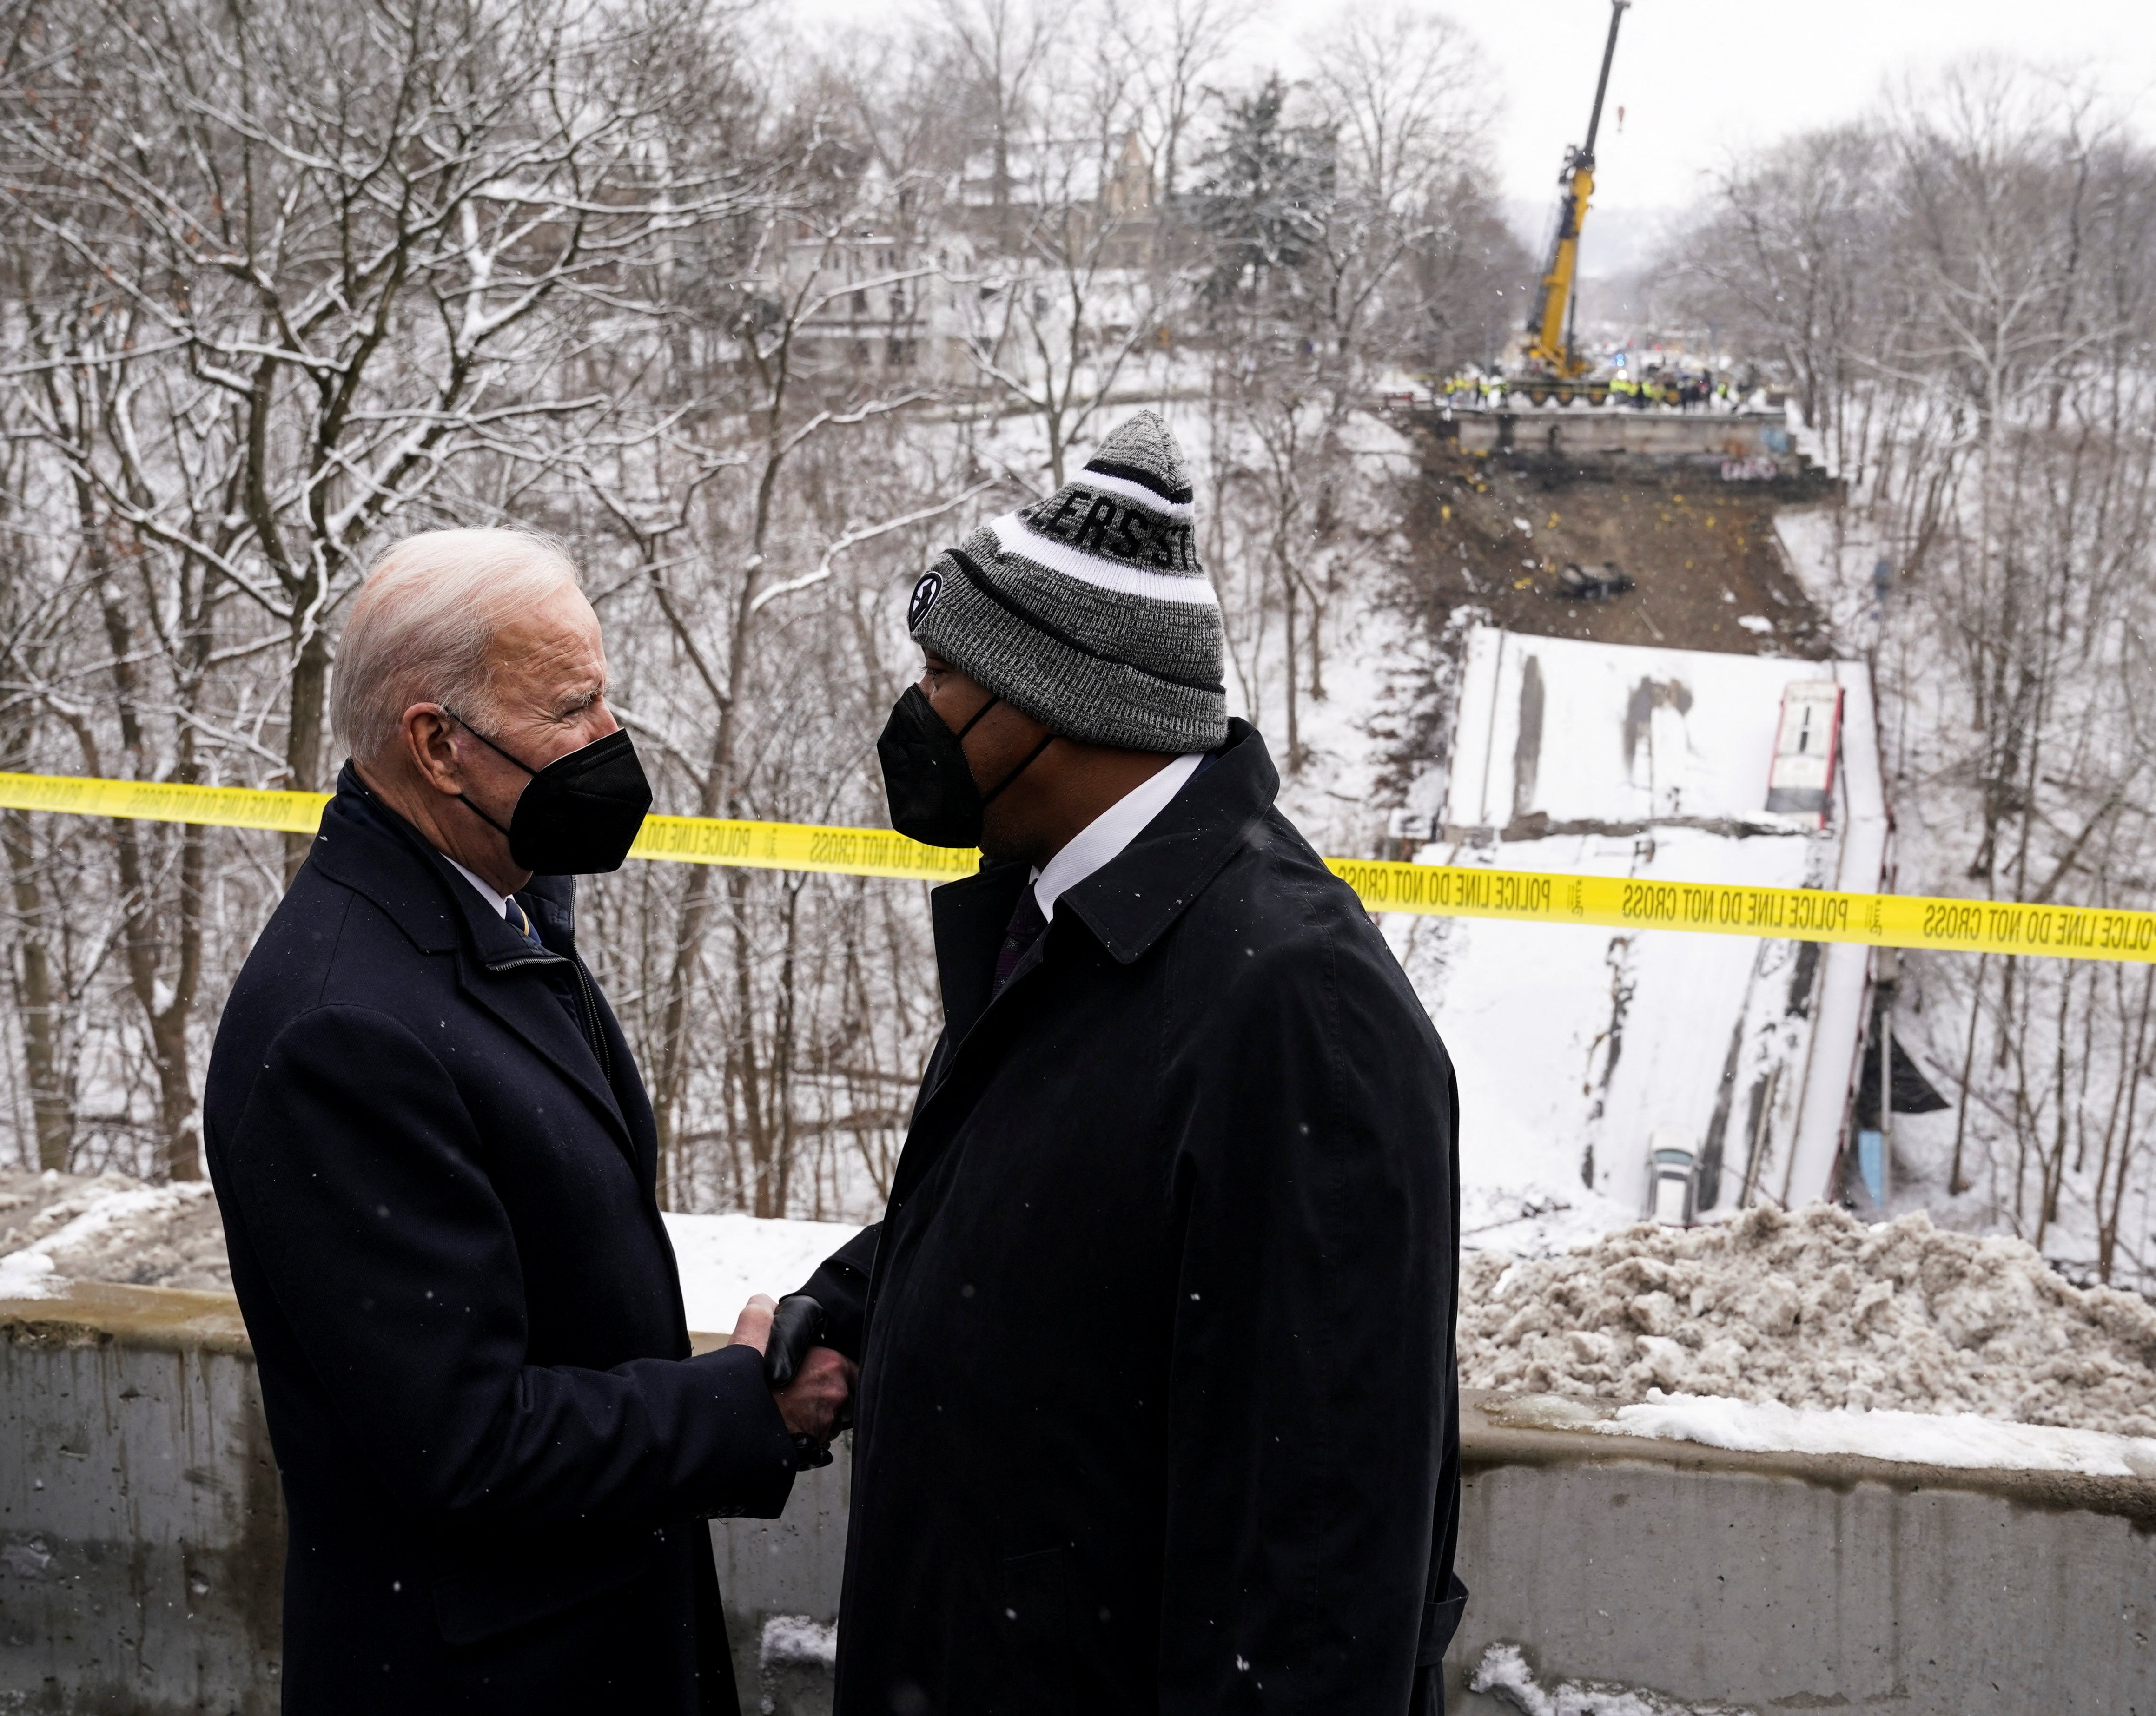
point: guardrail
(142, 1544)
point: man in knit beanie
(1157, 1401)
(1088, 618)
(1091, 610)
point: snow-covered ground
(55, 1228)
(724, 1259)
(1962, 1441)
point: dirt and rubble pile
(1700, 555)
(109, 1227)
(1813, 1308)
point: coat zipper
(592, 1031)
(586, 1002)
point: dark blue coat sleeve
(358, 1175)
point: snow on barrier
(1436, 890)
(141, 1541)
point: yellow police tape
(1436, 890)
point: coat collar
(1130, 902)
(1127, 903)
(970, 918)
(366, 847)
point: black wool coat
(1157, 1406)
(435, 1163)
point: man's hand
(752, 1328)
(813, 1402)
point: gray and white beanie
(1088, 611)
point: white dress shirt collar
(498, 902)
(1102, 840)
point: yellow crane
(1550, 342)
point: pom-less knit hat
(1088, 611)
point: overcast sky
(1699, 77)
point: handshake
(812, 1384)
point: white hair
(424, 621)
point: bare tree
(1786, 260)
(1957, 291)
(756, 332)
(1057, 318)
(1178, 47)
(344, 226)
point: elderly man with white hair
(436, 1162)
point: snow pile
(725, 1259)
(1961, 1440)
(1865, 1326)
(1814, 1309)
(1504, 1672)
(58, 1227)
(796, 1638)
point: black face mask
(934, 798)
(580, 814)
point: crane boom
(1548, 346)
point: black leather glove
(796, 1325)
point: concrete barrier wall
(1787, 1581)
(786, 1570)
(142, 1538)
(141, 1530)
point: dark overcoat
(1157, 1401)
(435, 1162)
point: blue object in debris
(1872, 1163)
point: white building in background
(922, 298)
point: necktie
(521, 921)
(1026, 924)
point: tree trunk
(688, 942)
(1956, 1183)
(1294, 736)
(784, 1015)
(2107, 1219)
(717, 787)
(51, 1108)
(756, 1103)
(180, 1130)
(303, 733)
